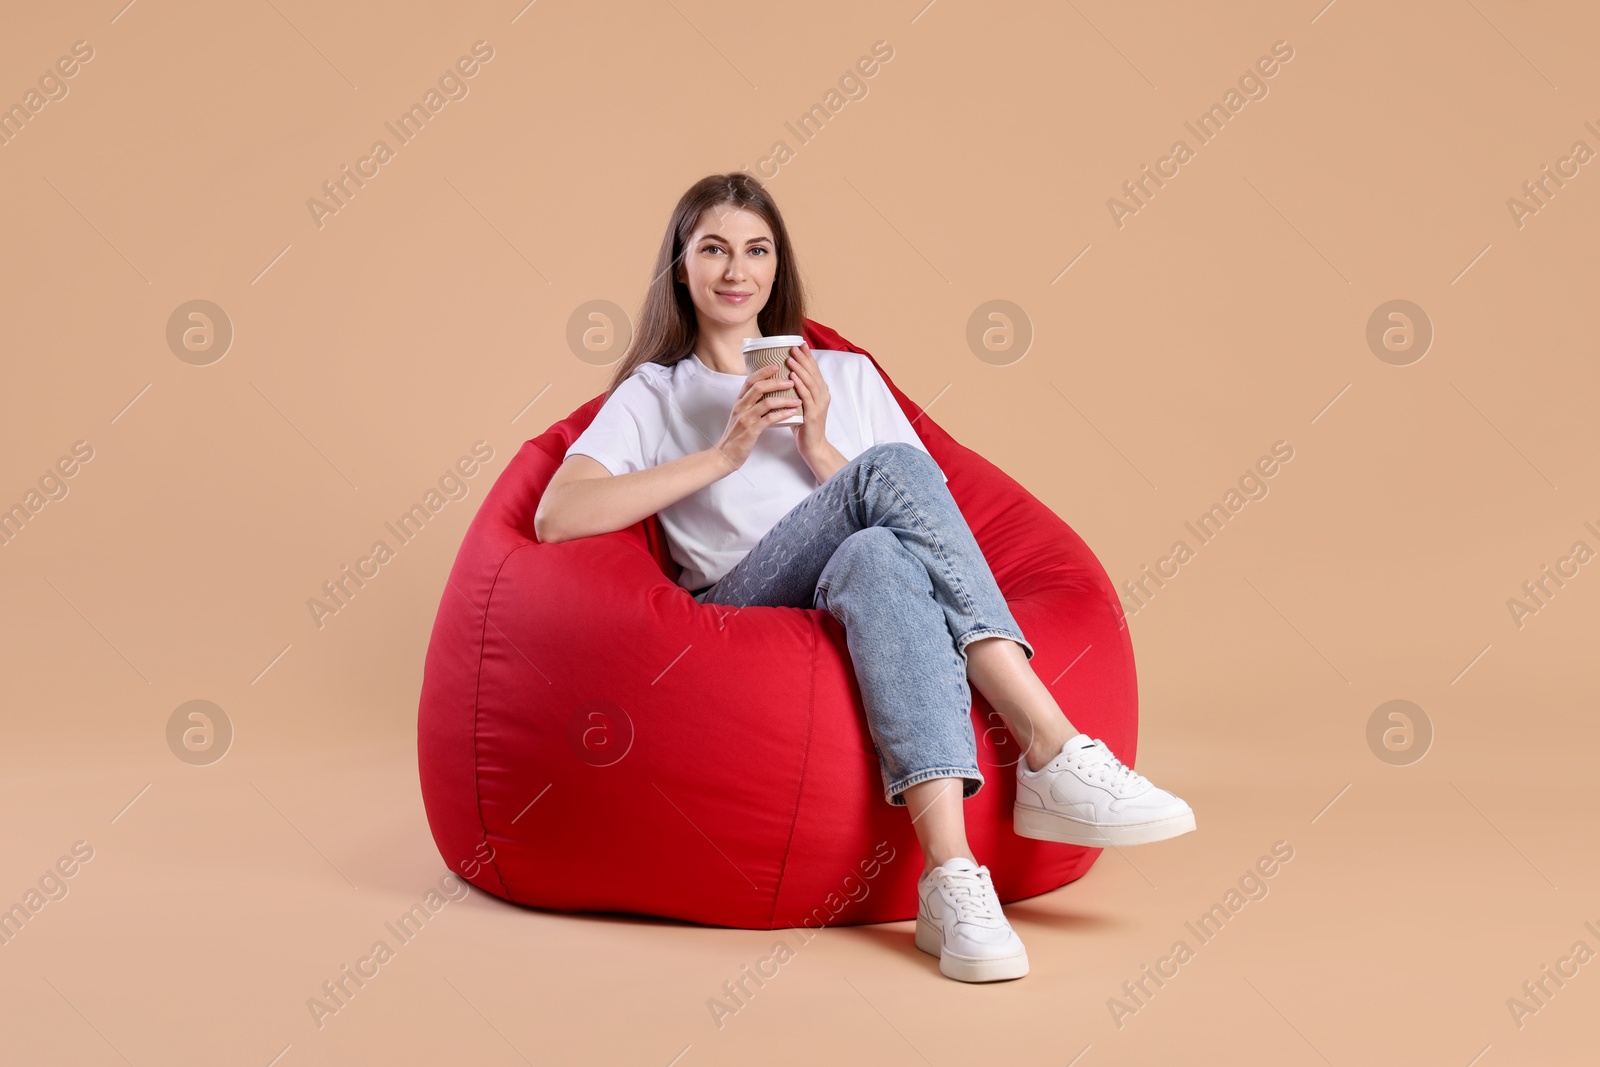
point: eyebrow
(724, 240)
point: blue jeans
(882, 547)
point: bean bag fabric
(591, 739)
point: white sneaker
(959, 920)
(1086, 796)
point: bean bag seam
(477, 713)
(805, 762)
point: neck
(721, 346)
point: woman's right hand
(753, 412)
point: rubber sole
(967, 968)
(1051, 826)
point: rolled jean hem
(894, 793)
(991, 631)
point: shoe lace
(974, 896)
(1104, 765)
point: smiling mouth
(733, 297)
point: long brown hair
(668, 325)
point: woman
(849, 513)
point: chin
(727, 317)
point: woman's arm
(827, 464)
(811, 437)
(583, 498)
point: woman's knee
(869, 548)
(868, 555)
(902, 456)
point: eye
(760, 248)
(712, 248)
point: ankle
(931, 860)
(1038, 755)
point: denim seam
(969, 773)
(991, 631)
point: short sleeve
(615, 439)
(884, 419)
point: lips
(733, 296)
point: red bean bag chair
(591, 739)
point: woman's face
(729, 265)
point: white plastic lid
(782, 340)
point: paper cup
(765, 352)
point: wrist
(720, 461)
(824, 461)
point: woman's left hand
(809, 436)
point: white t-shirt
(661, 413)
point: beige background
(431, 312)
